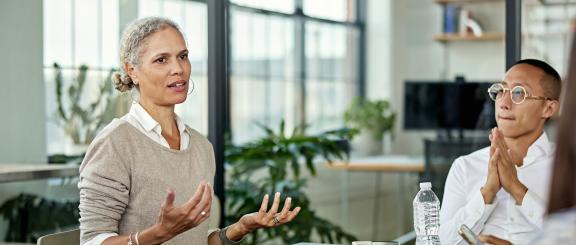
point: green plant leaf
(261, 166)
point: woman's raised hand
(265, 218)
(175, 220)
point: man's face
(516, 120)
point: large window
(77, 33)
(332, 76)
(295, 61)
(546, 28)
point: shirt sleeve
(533, 209)
(104, 190)
(462, 204)
(100, 238)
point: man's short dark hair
(550, 82)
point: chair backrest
(62, 238)
(439, 156)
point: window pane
(86, 37)
(262, 76)
(57, 33)
(284, 6)
(331, 82)
(77, 32)
(546, 32)
(341, 10)
(149, 7)
(110, 34)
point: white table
(10, 172)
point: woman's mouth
(178, 86)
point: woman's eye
(160, 60)
(184, 56)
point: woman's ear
(129, 68)
(550, 108)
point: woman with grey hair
(147, 177)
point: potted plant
(80, 118)
(30, 216)
(273, 163)
(373, 119)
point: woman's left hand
(270, 218)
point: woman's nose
(177, 68)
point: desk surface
(385, 163)
(10, 172)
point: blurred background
(353, 102)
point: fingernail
(266, 196)
(289, 199)
(277, 194)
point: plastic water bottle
(426, 215)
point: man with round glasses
(500, 191)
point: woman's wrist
(237, 231)
(153, 235)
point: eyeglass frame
(509, 90)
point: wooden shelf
(489, 36)
(465, 1)
(545, 35)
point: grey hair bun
(122, 82)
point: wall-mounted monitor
(447, 105)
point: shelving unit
(449, 37)
(494, 35)
(465, 1)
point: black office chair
(439, 156)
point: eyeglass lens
(517, 93)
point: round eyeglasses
(518, 94)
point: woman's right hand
(175, 220)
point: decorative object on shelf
(460, 25)
(273, 164)
(373, 119)
(80, 118)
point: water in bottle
(426, 215)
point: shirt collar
(541, 147)
(148, 123)
(181, 125)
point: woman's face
(163, 72)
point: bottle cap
(425, 185)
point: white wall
(22, 120)
(401, 47)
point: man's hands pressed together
(502, 171)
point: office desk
(10, 172)
(385, 163)
(378, 164)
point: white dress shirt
(463, 203)
(141, 119)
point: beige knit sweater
(124, 177)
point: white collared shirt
(463, 203)
(140, 119)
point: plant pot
(365, 144)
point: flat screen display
(447, 105)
